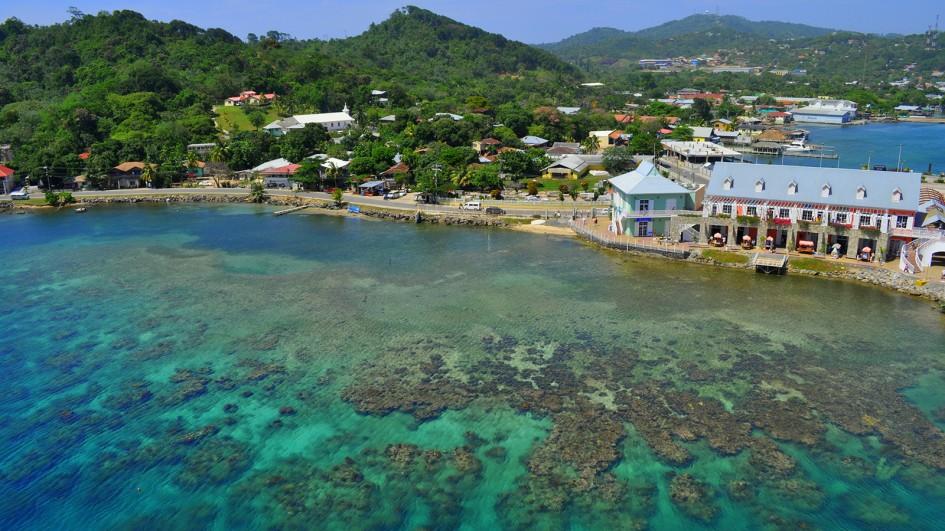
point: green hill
(824, 53)
(731, 24)
(135, 89)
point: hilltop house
(643, 202)
(249, 97)
(486, 145)
(6, 179)
(332, 121)
(823, 206)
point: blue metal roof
(645, 179)
(843, 183)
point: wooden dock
(769, 263)
(798, 154)
(290, 210)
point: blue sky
(526, 20)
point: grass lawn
(813, 264)
(234, 119)
(725, 257)
(551, 185)
(32, 201)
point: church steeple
(345, 109)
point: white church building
(332, 121)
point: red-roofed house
(6, 179)
(85, 155)
(249, 97)
(779, 117)
(714, 98)
(280, 177)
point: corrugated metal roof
(646, 179)
(843, 183)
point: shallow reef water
(194, 367)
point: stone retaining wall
(894, 280)
(374, 212)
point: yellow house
(570, 167)
(723, 124)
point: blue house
(643, 202)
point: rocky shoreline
(879, 277)
(893, 280)
(369, 211)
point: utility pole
(436, 183)
(46, 174)
(899, 162)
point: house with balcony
(643, 202)
(823, 206)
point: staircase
(689, 234)
(908, 257)
(917, 255)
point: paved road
(546, 209)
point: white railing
(661, 213)
(925, 234)
(624, 243)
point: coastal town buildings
(643, 202)
(332, 121)
(801, 206)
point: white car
(20, 194)
(472, 205)
(532, 198)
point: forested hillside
(824, 53)
(134, 89)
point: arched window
(861, 192)
(825, 190)
(760, 185)
(792, 188)
(728, 183)
(897, 195)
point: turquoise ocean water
(185, 367)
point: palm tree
(217, 156)
(257, 192)
(148, 173)
(332, 172)
(591, 144)
(192, 160)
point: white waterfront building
(826, 112)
